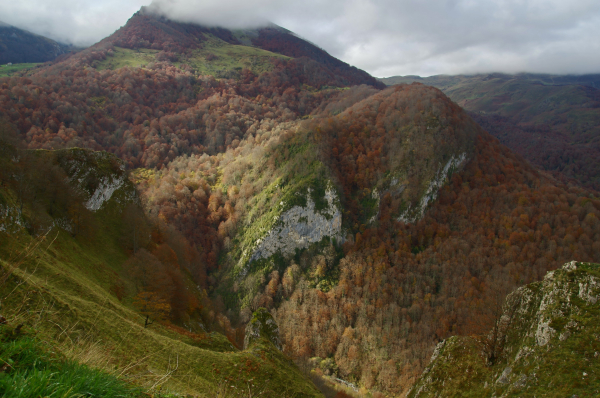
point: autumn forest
(214, 160)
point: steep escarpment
(313, 191)
(544, 343)
(100, 176)
(403, 143)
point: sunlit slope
(216, 58)
(74, 289)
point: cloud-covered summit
(384, 37)
(239, 14)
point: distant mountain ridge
(592, 80)
(20, 46)
(551, 120)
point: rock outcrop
(551, 347)
(262, 326)
(413, 214)
(300, 226)
(99, 175)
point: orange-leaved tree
(151, 305)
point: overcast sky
(383, 37)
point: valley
(198, 211)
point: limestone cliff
(99, 175)
(550, 338)
(301, 226)
(412, 214)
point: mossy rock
(262, 326)
(551, 345)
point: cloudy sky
(383, 37)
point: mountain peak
(151, 29)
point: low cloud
(77, 22)
(384, 37)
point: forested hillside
(551, 120)
(372, 223)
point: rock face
(299, 227)
(262, 326)
(11, 220)
(415, 214)
(100, 175)
(551, 347)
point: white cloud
(69, 21)
(384, 37)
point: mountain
(544, 344)
(21, 46)
(193, 44)
(551, 120)
(370, 223)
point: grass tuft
(28, 369)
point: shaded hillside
(542, 328)
(551, 120)
(20, 46)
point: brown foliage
(403, 287)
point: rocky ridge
(98, 175)
(550, 334)
(441, 177)
(101, 176)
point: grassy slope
(62, 290)
(10, 70)
(126, 57)
(214, 58)
(31, 368)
